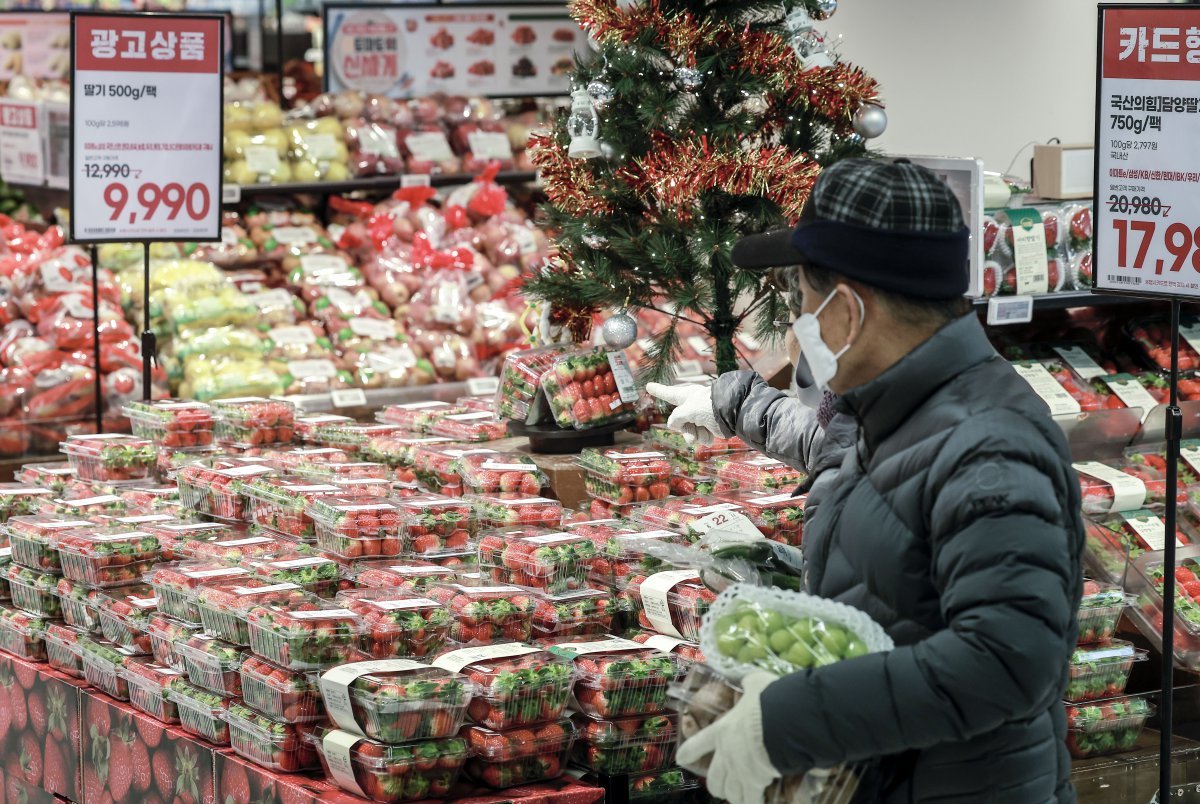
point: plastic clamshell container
(1101, 671)
(669, 784)
(78, 604)
(1099, 610)
(354, 438)
(686, 653)
(515, 684)
(286, 695)
(291, 459)
(779, 517)
(679, 514)
(317, 574)
(147, 684)
(584, 391)
(110, 458)
(201, 713)
(21, 499)
(175, 584)
(625, 555)
(151, 498)
(587, 612)
(471, 426)
(397, 700)
(511, 509)
(341, 473)
(35, 539)
(672, 442)
(683, 485)
(21, 634)
(176, 537)
(34, 591)
(391, 774)
(757, 472)
(94, 508)
(433, 525)
(484, 615)
(224, 605)
(354, 528)
(436, 465)
(637, 744)
(173, 423)
(555, 562)
(103, 666)
(417, 417)
(411, 575)
(617, 677)
(254, 422)
(217, 491)
(107, 558)
(306, 426)
(5, 563)
(686, 601)
(493, 472)
(628, 466)
(212, 664)
(63, 651)
(304, 633)
(1107, 725)
(278, 503)
(54, 476)
(1114, 540)
(503, 759)
(1107, 486)
(166, 633)
(521, 378)
(234, 549)
(397, 624)
(271, 743)
(125, 613)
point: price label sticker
(429, 146)
(312, 369)
(490, 145)
(261, 159)
(1081, 362)
(1129, 492)
(1009, 310)
(1045, 386)
(230, 194)
(626, 387)
(483, 386)
(349, 398)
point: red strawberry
(151, 731)
(54, 773)
(164, 774)
(143, 776)
(37, 712)
(30, 759)
(120, 768)
(27, 674)
(235, 783)
(16, 702)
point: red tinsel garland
(568, 182)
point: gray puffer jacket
(955, 523)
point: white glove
(693, 415)
(739, 770)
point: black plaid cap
(886, 195)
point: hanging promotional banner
(22, 159)
(1147, 195)
(413, 50)
(146, 118)
(34, 44)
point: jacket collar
(886, 402)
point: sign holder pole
(279, 45)
(1174, 433)
(98, 389)
(149, 342)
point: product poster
(1147, 205)
(34, 44)
(413, 50)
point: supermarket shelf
(376, 183)
(1071, 298)
(375, 398)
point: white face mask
(802, 383)
(822, 362)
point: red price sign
(146, 112)
(1147, 201)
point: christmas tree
(692, 125)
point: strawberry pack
(35, 540)
(54, 476)
(409, 575)
(627, 554)
(390, 774)
(268, 742)
(583, 613)
(397, 624)
(417, 417)
(399, 451)
(1121, 486)
(147, 683)
(233, 550)
(201, 713)
(1099, 610)
(471, 426)
(396, 700)
(518, 756)
(176, 537)
(304, 633)
(212, 664)
(23, 634)
(515, 684)
(355, 438)
(316, 574)
(511, 509)
(437, 466)
(521, 379)
(278, 504)
(166, 634)
(1106, 726)
(485, 615)
(253, 422)
(78, 604)
(110, 458)
(353, 528)
(63, 651)
(21, 499)
(286, 695)
(94, 508)
(590, 389)
(756, 472)
(679, 601)
(1117, 538)
(778, 517)
(172, 423)
(636, 744)
(175, 584)
(674, 444)
(349, 473)
(685, 653)
(223, 605)
(684, 514)
(490, 472)
(302, 460)
(104, 558)
(624, 476)
(125, 614)
(104, 667)
(617, 677)
(217, 491)
(432, 525)
(1101, 671)
(33, 591)
(549, 561)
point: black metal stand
(98, 389)
(1174, 432)
(149, 343)
(279, 47)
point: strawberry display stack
(690, 473)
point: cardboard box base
(39, 732)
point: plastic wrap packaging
(576, 402)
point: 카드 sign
(1147, 197)
(146, 117)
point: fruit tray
(110, 458)
(680, 514)
(586, 390)
(436, 465)
(152, 499)
(552, 562)
(223, 605)
(314, 573)
(471, 426)
(201, 713)
(495, 472)
(631, 467)
(304, 633)
(21, 499)
(166, 634)
(63, 651)
(175, 584)
(409, 575)
(520, 756)
(400, 452)
(292, 459)
(521, 378)
(779, 517)
(1121, 486)
(584, 613)
(673, 443)
(515, 684)
(1101, 671)
(33, 591)
(355, 439)
(78, 604)
(125, 615)
(757, 472)
(286, 695)
(390, 773)
(617, 677)
(343, 473)
(686, 653)
(212, 664)
(172, 423)
(268, 742)
(686, 599)
(398, 624)
(218, 491)
(1106, 726)
(175, 535)
(484, 615)
(54, 476)
(234, 550)
(104, 558)
(417, 417)
(147, 683)
(510, 509)
(624, 555)
(254, 422)
(637, 744)
(306, 426)
(278, 503)
(35, 540)
(95, 508)
(1099, 611)
(104, 667)
(432, 525)
(353, 528)
(396, 700)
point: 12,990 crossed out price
(152, 198)
(1181, 242)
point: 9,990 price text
(151, 199)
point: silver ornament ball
(601, 94)
(826, 9)
(870, 121)
(594, 240)
(620, 331)
(689, 78)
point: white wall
(975, 77)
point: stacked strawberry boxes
(618, 477)
(690, 472)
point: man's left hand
(739, 770)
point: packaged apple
(583, 613)
(616, 677)
(63, 651)
(673, 443)
(278, 503)
(104, 665)
(21, 499)
(125, 615)
(218, 491)
(515, 684)
(672, 602)
(390, 774)
(521, 379)
(33, 591)
(778, 517)
(175, 584)
(398, 624)
(1099, 610)
(253, 422)
(201, 713)
(495, 472)
(304, 633)
(235, 549)
(92, 507)
(485, 615)
(1101, 671)
(224, 605)
(353, 528)
(756, 472)
(408, 575)
(628, 745)
(166, 634)
(686, 653)
(111, 557)
(110, 458)
(433, 525)
(285, 695)
(306, 426)
(510, 509)
(53, 476)
(554, 562)
(590, 389)
(1106, 726)
(519, 756)
(417, 417)
(396, 700)
(78, 604)
(212, 664)
(172, 423)
(400, 452)
(147, 683)
(470, 426)
(374, 149)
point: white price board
(21, 158)
(1147, 196)
(146, 117)
(409, 50)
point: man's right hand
(693, 415)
